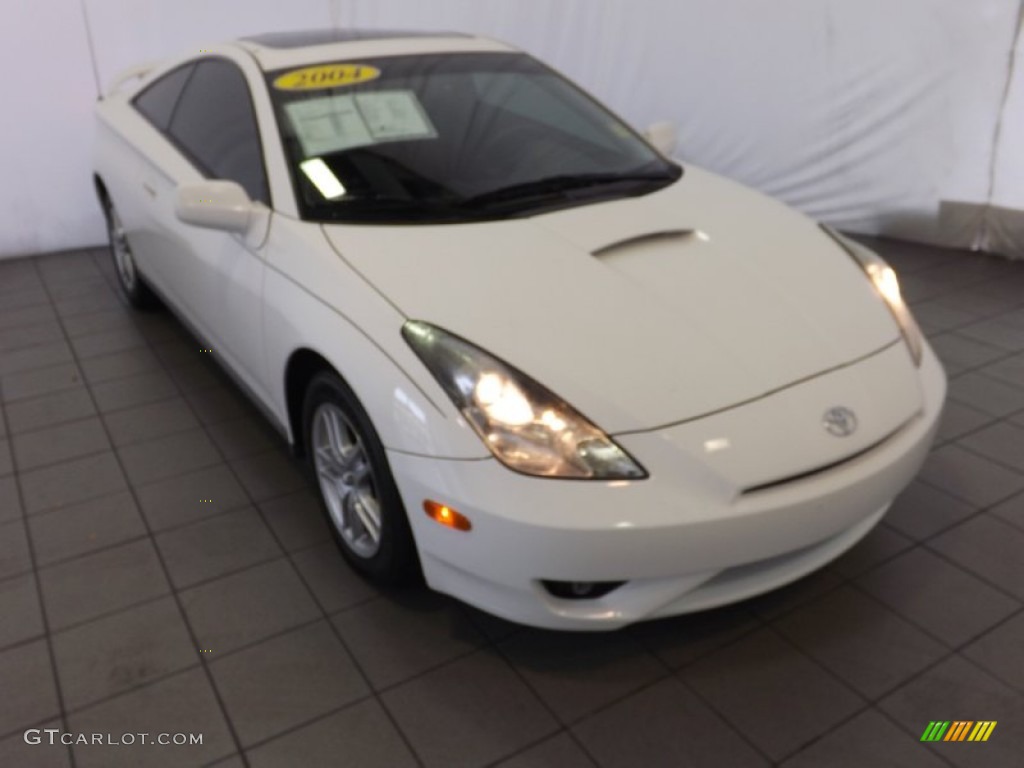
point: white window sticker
(394, 115)
(335, 123)
(328, 124)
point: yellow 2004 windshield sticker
(325, 76)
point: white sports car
(574, 383)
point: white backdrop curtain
(878, 117)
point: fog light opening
(446, 516)
(580, 590)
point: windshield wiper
(569, 186)
(391, 208)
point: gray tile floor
(163, 568)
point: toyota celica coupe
(524, 352)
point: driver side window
(212, 122)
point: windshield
(452, 137)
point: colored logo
(958, 730)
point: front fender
(318, 303)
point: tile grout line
(30, 540)
(966, 368)
(160, 558)
(976, 512)
(768, 626)
(142, 536)
(127, 691)
(871, 702)
(968, 569)
(561, 727)
(542, 740)
(950, 651)
(854, 583)
(973, 504)
(326, 617)
(997, 463)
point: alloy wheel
(346, 479)
(122, 251)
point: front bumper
(681, 544)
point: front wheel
(134, 288)
(357, 490)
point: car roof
(306, 37)
(287, 49)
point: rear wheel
(357, 490)
(132, 284)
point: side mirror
(214, 204)
(663, 136)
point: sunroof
(303, 38)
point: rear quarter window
(157, 101)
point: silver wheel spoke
(360, 474)
(332, 492)
(346, 480)
(369, 516)
(328, 465)
(335, 433)
(122, 253)
(354, 460)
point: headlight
(526, 427)
(883, 277)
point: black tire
(133, 285)
(391, 557)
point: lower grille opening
(580, 590)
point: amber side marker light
(446, 516)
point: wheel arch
(101, 190)
(302, 366)
(304, 335)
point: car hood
(641, 312)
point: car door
(216, 277)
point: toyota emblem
(840, 421)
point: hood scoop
(646, 237)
